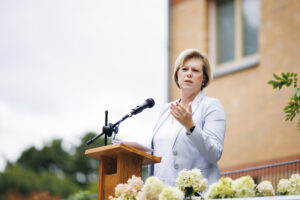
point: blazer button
(175, 153)
(176, 166)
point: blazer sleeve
(209, 137)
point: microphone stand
(107, 129)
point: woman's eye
(184, 69)
(195, 70)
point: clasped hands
(183, 115)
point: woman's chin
(189, 90)
(188, 86)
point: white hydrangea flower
(141, 196)
(151, 189)
(221, 189)
(283, 186)
(265, 188)
(294, 185)
(191, 180)
(135, 184)
(122, 190)
(130, 189)
(289, 186)
(244, 187)
(171, 193)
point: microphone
(108, 129)
(149, 103)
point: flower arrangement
(188, 183)
(191, 182)
(289, 186)
(128, 191)
(221, 189)
(265, 188)
(244, 187)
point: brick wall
(256, 130)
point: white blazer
(201, 149)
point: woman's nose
(189, 73)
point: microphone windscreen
(150, 102)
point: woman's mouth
(188, 81)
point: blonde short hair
(193, 53)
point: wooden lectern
(117, 163)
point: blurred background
(63, 63)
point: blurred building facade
(247, 41)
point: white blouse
(163, 142)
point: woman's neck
(187, 98)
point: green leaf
(292, 109)
(272, 82)
(298, 93)
(284, 76)
(277, 77)
(286, 108)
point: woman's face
(190, 75)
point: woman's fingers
(178, 108)
(179, 111)
(190, 107)
(181, 114)
(175, 111)
(174, 115)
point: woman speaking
(190, 131)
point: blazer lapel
(196, 102)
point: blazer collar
(196, 101)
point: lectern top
(113, 150)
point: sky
(64, 62)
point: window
(233, 31)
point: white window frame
(239, 62)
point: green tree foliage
(293, 107)
(52, 169)
(83, 195)
(24, 181)
(51, 158)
